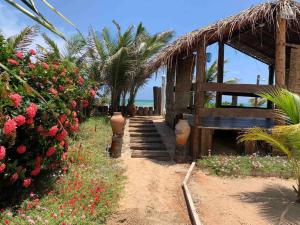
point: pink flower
(20, 120)
(73, 104)
(53, 131)
(74, 114)
(62, 135)
(45, 66)
(36, 171)
(53, 91)
(20, 55)
(31, 110)
(12, 62)
(2, 152)
(10, 127)
(14, 178)
(56, 66)
(64, 156)
(2, 167)
(74, 127)
(75, 70)
(50, 151)
(26, 183)
(62, 118)
(31, 66)
(92, 92)
(38, 161)
(32, 52)
(80, 80)
(16, 99)
(21, 149)
(85, 103)
(29, 121)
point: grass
(247, 166)
(85, 192)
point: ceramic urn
(182, 132)
(117, 122)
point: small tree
(285, 138)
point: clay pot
(182, 131)
(132, 110)
(151, 111)
(117, 122)
(145, 111)
(140, 111)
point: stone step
(159, 155)
(150, 147)
(140, 122)
(146, 140)
(133, 134)
(138, 125)
(143, 129)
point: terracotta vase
(117, 122)
(150, 111)
(145, 111)
(132, 110)
(182, 131)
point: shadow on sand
(276, 204)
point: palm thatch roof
(251, 31)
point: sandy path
(247, 201)
(153, 194)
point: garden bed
(84, 192)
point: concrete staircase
(145, 141)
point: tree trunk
(124, 98)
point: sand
(248, 201)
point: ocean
(144, 103)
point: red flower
(73, 104)
(16, 99)
(2, 152)
(61, 88)
(85, 103)
(54, 79)
(45, 66)
(12, 62)
(92, 92)
(26, 183)
(62, 135)
(2, 167)
(31, 110)
(9, 127)
(32, 52)
(29, 121)
(80, 80)
(50, 151)
(38, 161)
(64, 156)
(14, 178)
(62, 118)
(75, 70)
(53, 131)
(36, 171)
(31, 66)
(20, 120)
(21, 149)
(74, 114)
(53, 91)
(74, 127)
(56, 66)
(20, 55)
(6, 222)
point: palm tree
(112, 57)
(143, 48)
(283, 138)
(32, 11)
(257, 102)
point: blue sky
(182, 16)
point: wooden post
(280, 60)
(170, 93)
(220, 75)
(199, 97)
(271, 82)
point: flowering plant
(39, 108)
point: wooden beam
(237, 112)
(199, 97)
(234, 88)
(271, 82)
(280, 59)
(170, 93)
(220, 75)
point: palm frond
(54, 50)
(259, 134)
(24, 39)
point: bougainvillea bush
(39, 108)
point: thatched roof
(251, 31)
